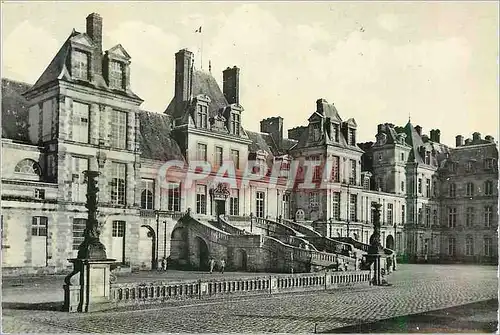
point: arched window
(488, 187)
(28, 166)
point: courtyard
(416, 291)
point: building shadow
(56, 306)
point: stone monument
(87, 288)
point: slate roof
(14, 110)
(155, 137)
(58, 70)
(415, 141)
(259, 142)
(203, 83)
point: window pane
(119, 129)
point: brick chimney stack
(183, 76)
(94, 30)
(274, 127)
(459, 140)
(419, 130)
(231, 84)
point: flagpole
(201, 53)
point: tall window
(235, 123)
(336, 205)
(78, 229)
(316, 166)
(201, 199)
(402, 186)
(352, 136)
(419, 185)
(451, 246)
(353, 207)
(147, 194)
(174, 198)
(234, 204)
(80, 65)
(118, 229)
(469, 217)
(116, 77)
(469, 166)
(260, 205)
(119, 129)
(469, 189)
(428, 188)
(336, 132)
(78, 183)
(427, 216)
(286, 205)
(335, 169)
(39, 226)
(352, 176)
(80, 131)
(435, 217)
(488, 187)
(488, 163)
(118, 183)
(315, 134)
(452, 217)
(403, 214)
(469, 246)
(427, 157)
(488, 216)
(201, 152)
(389, 214)
(402, 156)
(202, 117)
(452, 190)
(235, 156)
(434, 188)
(488, 246)
(313, 199)
(218, 156)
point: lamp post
(348, 203)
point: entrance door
(220, 207)
(118, 244)
(203, 254)
(39, 241)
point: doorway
(202, 254)
(241, 260)
(220, 207)
(389, 242)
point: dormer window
(488, 164)
(336, 132)
(351, 136)
(80, 65)
(452, 167)
(316, 131)
(202, 116)
(116, 77)
(235, 123)
(469, 166)
(427, 158)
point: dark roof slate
(155, 137)
(14, 110)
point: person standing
(211, 264)
(222, 265)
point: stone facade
(82, 114)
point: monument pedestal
(88, 286)
(376, 265)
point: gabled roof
(119, 51)
(415, 141)
(155, 137)
(327, 110)
(57, 67)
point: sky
(436, 62)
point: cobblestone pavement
(415, 289)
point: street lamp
(348, 203)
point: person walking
(222, 265)
(211, 264)
(164, 264)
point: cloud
(19, 60)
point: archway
(179, 247)
(202, 254)
(389, 242)
(240, 260)
(147, 246)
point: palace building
(439, 203)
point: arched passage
(202, 254)
(240, 260)
(147, 246)
(389, 242)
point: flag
(198, 30)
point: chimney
(231, 84)
(459, 140)
(94, 30)
(418, 130)
(183, 76)
(489, 139)
(274, 127)
(468, 141)
(476, 137)
(435, 135)
(380, 128)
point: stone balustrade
(160, 292)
